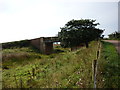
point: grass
(17, 56)
(59, 70)
(108, 67)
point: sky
(28, 19)
(119, 16)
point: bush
(23, 43)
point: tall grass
(17, 56)
(108, 67)
(61, 70)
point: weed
(62, 70)
(108, 67)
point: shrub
(23, 43)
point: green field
(27, 68)
(108, 67)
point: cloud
(24, 19)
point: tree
(115, 35)
(79, 31)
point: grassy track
(28, 69)
(108, 67)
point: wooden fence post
(95, 62)
(94, 72)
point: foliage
(79, 31)
(22, 43)
(115, 35)
(108, 67)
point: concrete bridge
(44, 44)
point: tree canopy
(115, 35)
(79, 31)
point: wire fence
(95, 64)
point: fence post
(94, 72)
(95, 62)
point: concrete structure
(44, 44)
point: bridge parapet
(44, 44)
(51, 39)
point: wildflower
(80, 79)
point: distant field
(27, 68)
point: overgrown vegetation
(24, 68)
(80, 31)
(22, 43)
(108, 67)
(114, 36)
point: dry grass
(61, 70)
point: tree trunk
(87, 45)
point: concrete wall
(42, 45)
(48, 47)
(45, 45)
(36, 42)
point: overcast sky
(27, 19)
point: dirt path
(116, 43)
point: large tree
(79, 31)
